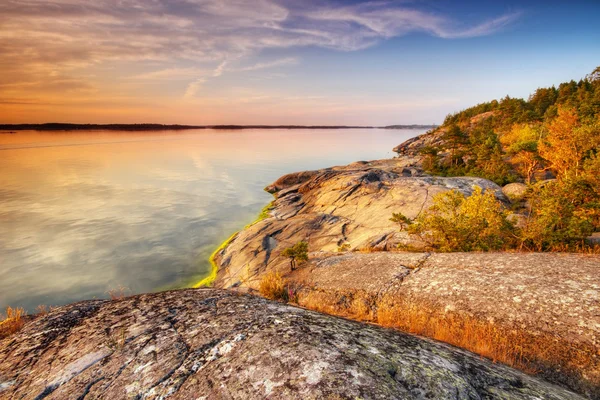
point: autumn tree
(562, 213)
(567, 142)
(521, 143)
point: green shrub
(296, 253)
(402, 220)
(459, 223)
(562, 213)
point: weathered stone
(594, 239)
(336, 209)
(515, 191)
(208, 344)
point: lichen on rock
(208, 343)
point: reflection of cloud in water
(77, 221)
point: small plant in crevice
(344, 247)
(402, 220)
(115, 340)
(298, 253)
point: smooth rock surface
(340, 208)
(544, 293)
(211, 344)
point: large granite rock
(340, 208)
(544, 293)
(211, 344)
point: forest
(550, 142)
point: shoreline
(214, 268)
(212, 276)
(68, 127)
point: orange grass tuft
(273, 286)
(13, 322)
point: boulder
(515, 191)
(594, 239)
(209, 344)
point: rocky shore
(209, 344)
(343, 213)
(539, 313)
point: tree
(563, 212)
(521, 142)
(296, 253)
(401, 220)
(455, 139)
(594, 76)
(458, 223)
(567, 142)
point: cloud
(193, 88)
(219, 70)
(271, 64)
(170, 74)
(58, 41)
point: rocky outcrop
(340, 208)
(545, 300)
(435, 138)
(515, 191)
(543, 293)
(412, 147)
(209, 344)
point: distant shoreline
(11, 128)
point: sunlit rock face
(337, 208)
(214, 344)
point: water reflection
(81, 213)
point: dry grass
(273, 286)
(576, 365)
(118, 293)
(545, 354)
(581, 248)
(41, 310)
(13, 321)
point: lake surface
(82, 213)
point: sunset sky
(282, 61)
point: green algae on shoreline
(208, 281)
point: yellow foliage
(459, 223)
(522, 143)
(567, 142)
(273, 286)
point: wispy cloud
(270, 64)
(193, 88)
(219, 70)
(170, 74)
(53, 44)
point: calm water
(82, 213)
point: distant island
(160, 127)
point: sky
(283, 61)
